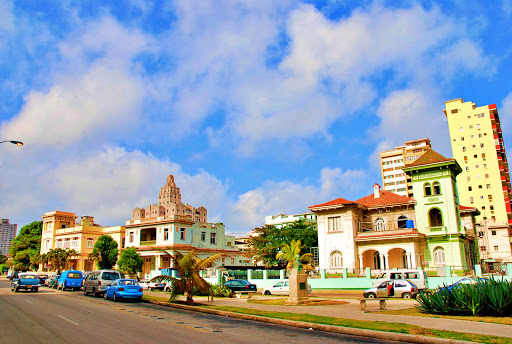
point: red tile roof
(463, 208)
(428, 158)
(386, 198)
(337, 201)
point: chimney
(376, 190)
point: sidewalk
(351, 310)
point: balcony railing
(148, 243)
(437, 229)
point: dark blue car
(123, 288)
(466, 280)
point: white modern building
(283, 220)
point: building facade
(159, 231)
(61, 231)
(477, 145)
(385, 230)
(283, 220)
(7, 234)
(393, 161)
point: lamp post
(17, 143)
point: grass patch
(415, 312)
(369, 325)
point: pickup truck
(25, 280)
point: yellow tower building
(477, 145)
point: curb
(400, 337)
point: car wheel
(35, 290)
(150, 289)
(407, 296)
(267, 292)
(115, 298)
(372, 296)
(105, 296)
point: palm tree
(188, 267)
(60, 257)
(291, 254)
(95, 256)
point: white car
(280, 288)
(157, 283)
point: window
(476, 166)
(437, 188)
(485, 165)
(493, 232)
(467, 168)
(495, 248)
(166, 234)
(336, 259)
(465, 159)
(483, 156)
(427, 189)
(232, 260)
(58, 244)
(472, 136)
(435, 217)
(463, 149)
(468, 178)
(130, 237)
(483, 248)
(486, 175)
(203, 236)
(490, 197)
(480, 234)
(461, 129)
(380, 225)
(213, 238)
(491, 207)
(402, 222)
(182, 233)
(475, 156)
(66, 243)
(479, 186)
(480, 135)
(481, 145)
(470, 188)
(439, 256)
(90, 242)
(470, 127)
(74, 243)
(473, 146)
(334, 223)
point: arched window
(435, 217)
(437, 188)
(380, 225)
(336, 259)
(376, 260)
(402, 222)
(428, 189)
(439, 256)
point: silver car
(392, 288)
(280, 288)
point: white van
(418, 277)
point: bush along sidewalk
(484, 298)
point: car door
(278, 288)
(400, 288)
(382, 289)
(111, 289)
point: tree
(291, 255)
(130, 261)
(26, 245)
(188, 267)
(3, 259)
(105, 252)
(59, 258)
(267, 241)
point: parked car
(26, 281)
(97, 281)
(418, 277)
(393, 288)
(240, 285)
(70, 279)
(162, 282)
(123, 289)
(281, 288)
(53, 281)
(466, 280)
(42, 278)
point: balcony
(148, 243)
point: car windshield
(75, 275)
(110, 276)
(127, 282)
(28, 276)
(244, 282)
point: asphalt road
(52, 316)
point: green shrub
(218, 291)
(485, 298)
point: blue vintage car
(25, 281)
(123, 288)
(70, 279)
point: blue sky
(257, 107)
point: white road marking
(28, 301)
(60, 316)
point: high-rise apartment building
(7, 234)
(393, 177)
(477, 145)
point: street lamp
(17, 143)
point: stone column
(361, 267)
(382, 266)
(298, 281)
(409, 263)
